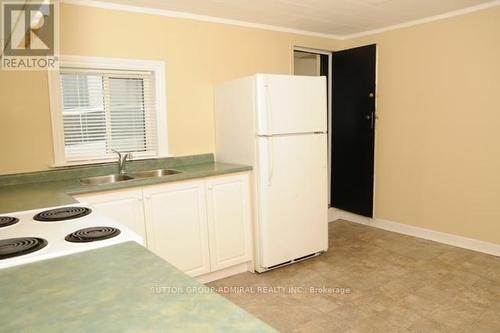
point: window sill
(101, 162)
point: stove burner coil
(62, 214)
(92, 234)
(15, 247)
(5, 221)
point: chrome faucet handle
(123, 164)
(117, 152)
(122, 156)
(122, 160)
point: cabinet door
(124, 206)
(229, 220)
(176, 225)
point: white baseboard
(406, 229)
(223, 273)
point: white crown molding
(406, 229)
(195, 17)
(213, 19)
(439, 17)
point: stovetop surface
(55, 234)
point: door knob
(371, 95)
(371, 117)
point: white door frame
(329, 83)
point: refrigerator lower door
(292, 197)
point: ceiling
(331, 17)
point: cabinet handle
(147, 196)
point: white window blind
(106, 110)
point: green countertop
(49, 193)
(122, 288)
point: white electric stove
(41, 234)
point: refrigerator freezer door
(293, 198)
(290, 104)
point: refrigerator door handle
(268, 111)
(270, 155)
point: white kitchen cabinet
(124, 206)
(201, 226)
(229, 221)
(176, 224)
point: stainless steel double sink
(117, 178)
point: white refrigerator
(278, 125)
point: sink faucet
(122, 161)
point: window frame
(156, 67)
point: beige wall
(197, 55)
(438, 135)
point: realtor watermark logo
(30, 33)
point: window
(104, 105)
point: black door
(353, 129)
